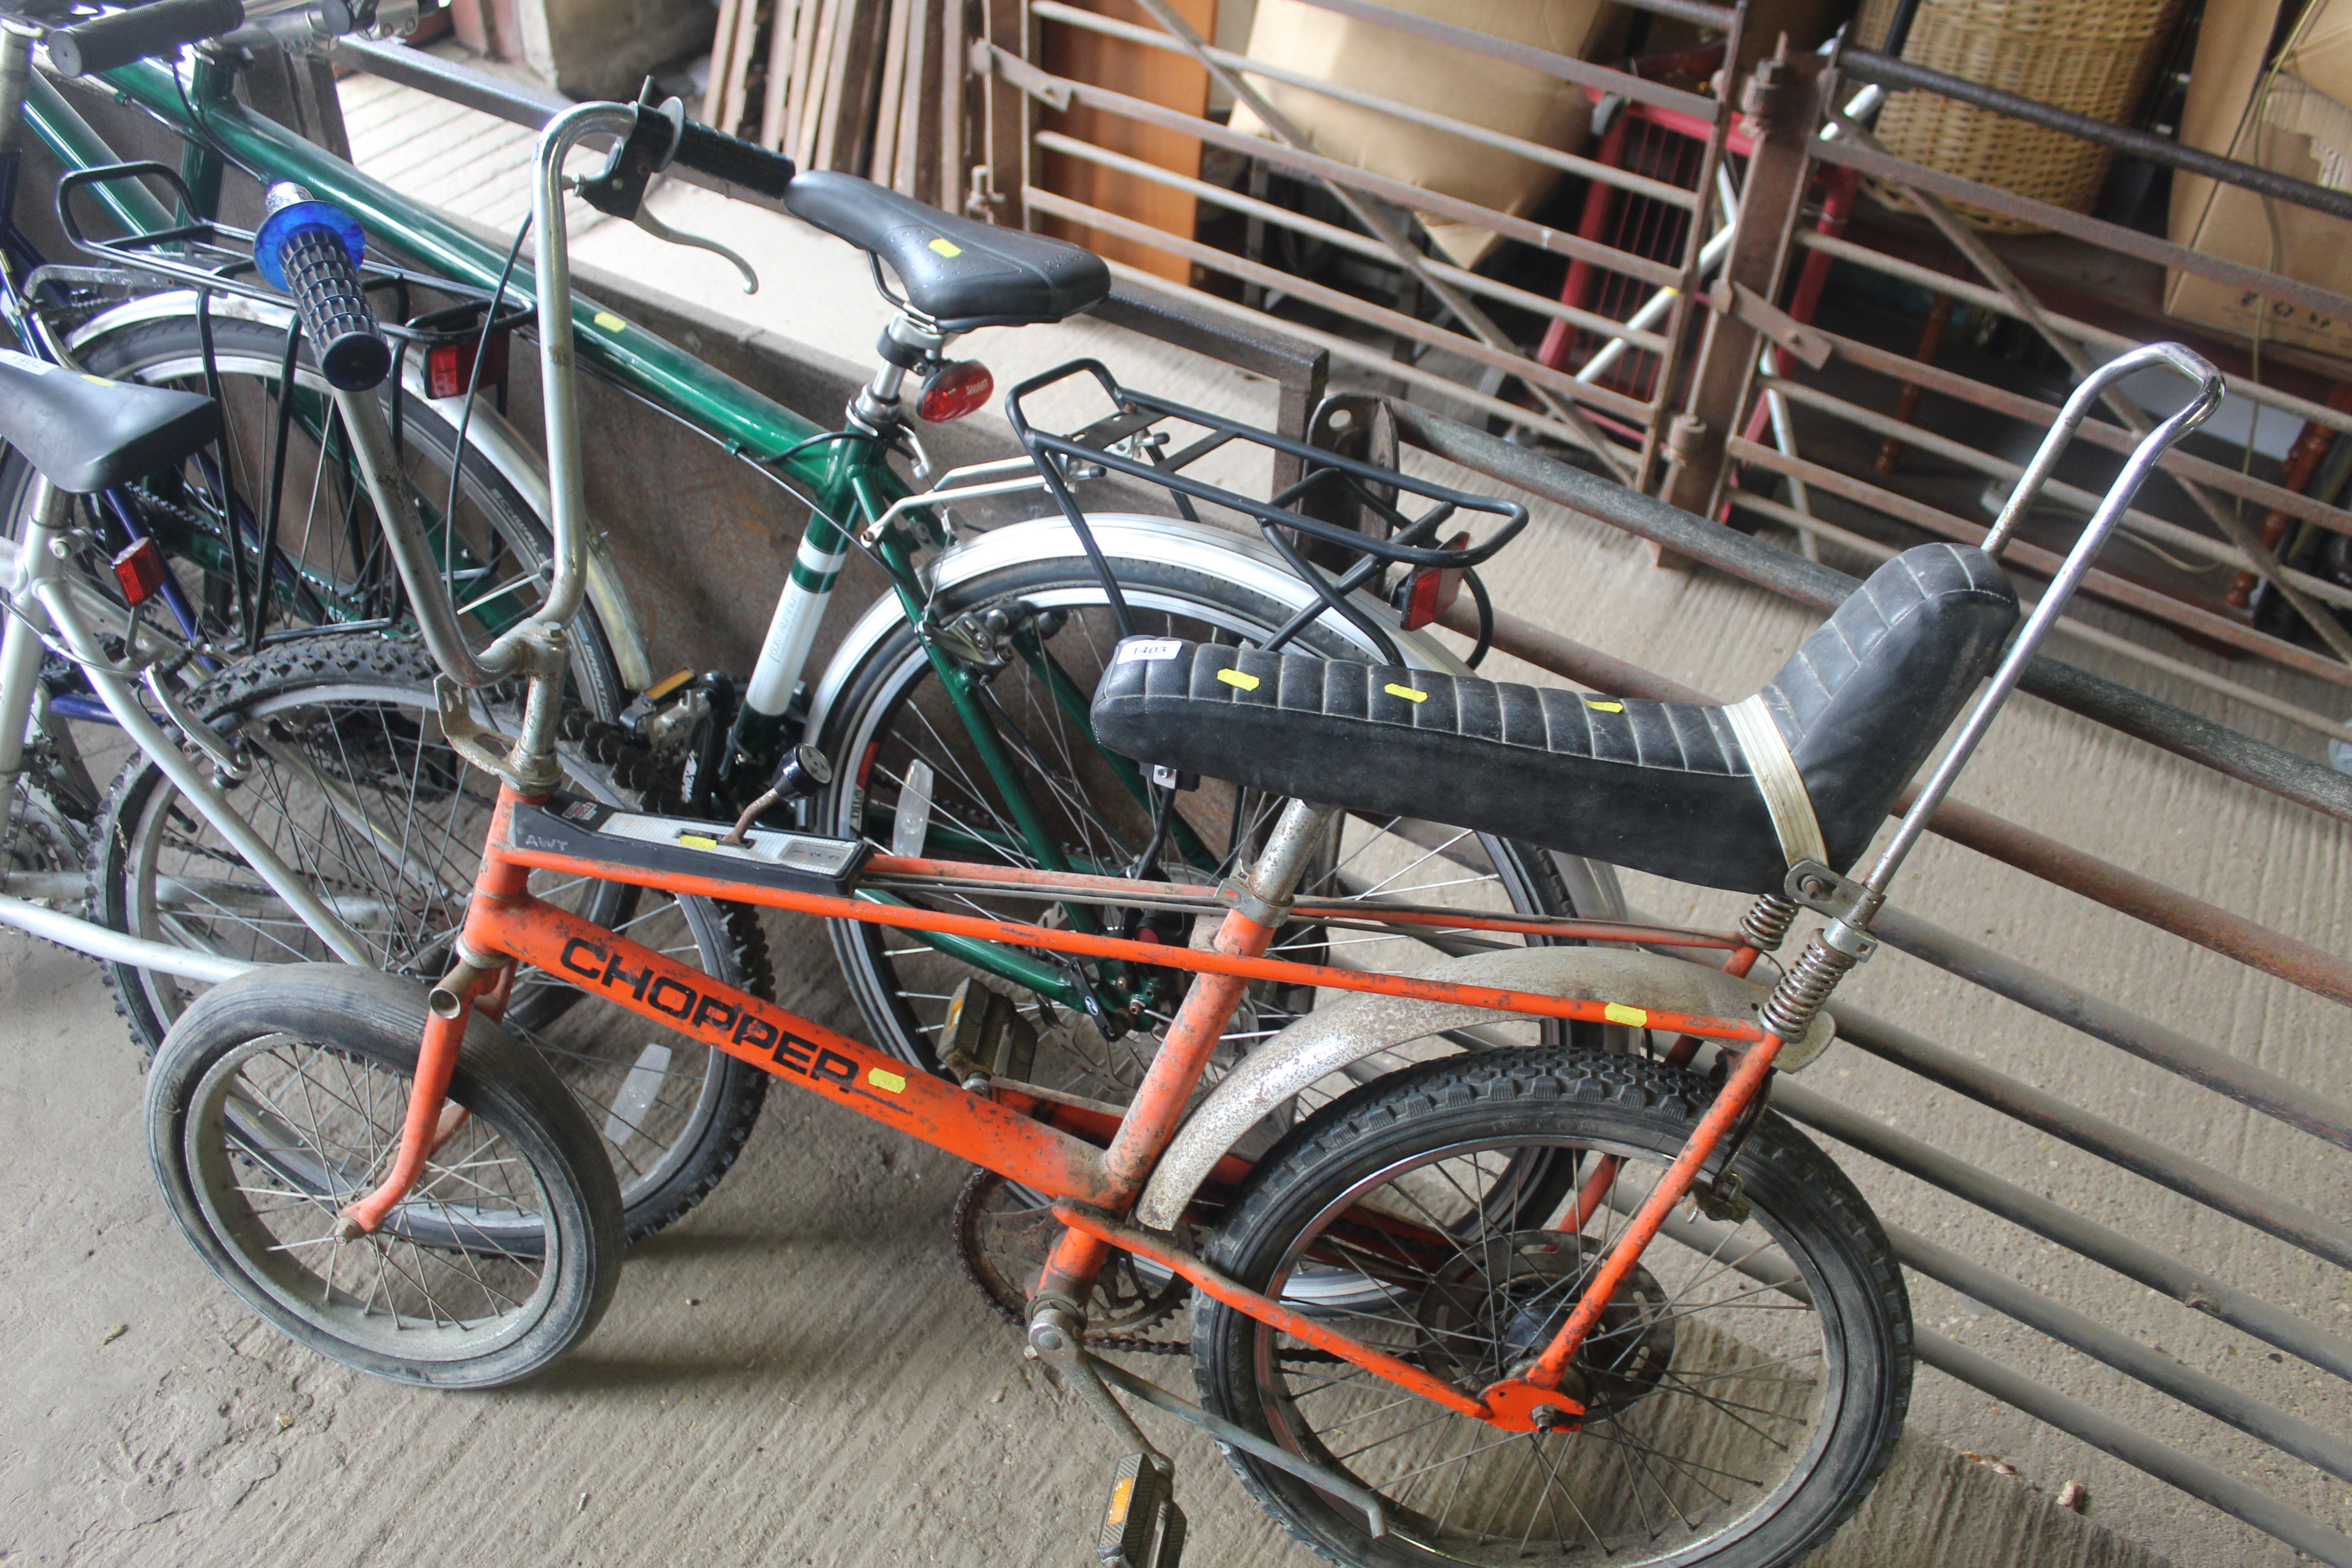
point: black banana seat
(1671, 788)
(960, 273)
(87, 433)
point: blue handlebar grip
(312, 250)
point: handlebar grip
(309, 248)
(122, 36)
(728, 158)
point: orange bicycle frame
(1092, 1166)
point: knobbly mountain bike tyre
(1572, 1098)
(355, 707)
(890, 708)
(498, 522)
(259, 1208)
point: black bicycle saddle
(1663, 787)
(960, 273)
(87, 433)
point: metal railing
(1813, 128)
(2202, 1289)
(1624, 436)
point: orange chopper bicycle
(1492, 1257)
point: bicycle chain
(1017, 1312)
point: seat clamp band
(1777, 779)
(1232, 894)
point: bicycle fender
(1211, 551)
(1361, 1025)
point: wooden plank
(954, 70)
(804, 87)
(1172, 81)
(731, 106)
(820, 82)
(894, 87)
(907, 149)
(858, 72)
(722, 58)
(780, 28)
(1006, 141)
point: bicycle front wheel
(1742, 1391)
(280, 1101)
(1034, 638)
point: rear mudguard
(1334, 1037)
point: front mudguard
(1332, 1038)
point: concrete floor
(797, 1375)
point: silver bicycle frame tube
(37, 575)
(2070, 576)
(412, 553)
(551, 279)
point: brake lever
(660, 230)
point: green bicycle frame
(848, 483)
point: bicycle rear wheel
(1033, 679)
(495, 546)
(357, 791)
(1743, 1391)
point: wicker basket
(2093, 56)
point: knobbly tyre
(956, 708)
(290, 796)
(1606, 1306)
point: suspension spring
(1791, 1009)
(1766, 924)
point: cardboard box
(2296, 120)
(1488, 93)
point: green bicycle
(951, 721)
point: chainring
(1002, 1234)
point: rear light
(449, 367)
(1430, 591)
(954, 390)
(140, 569)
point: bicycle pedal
(986, 1036)
(1142, 1528)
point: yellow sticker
(696, 841)
(946, 248)
(1604, 707)
(884, 1080)
(1407, 692)
(609, 322)
(1236, 679)
(96, 380)
(1618, 1012)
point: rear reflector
(140, 569)
(954, 390)
(1430, 591)
(449, 367)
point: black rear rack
(1392, 529)
(218, 258)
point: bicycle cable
(466, 415)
